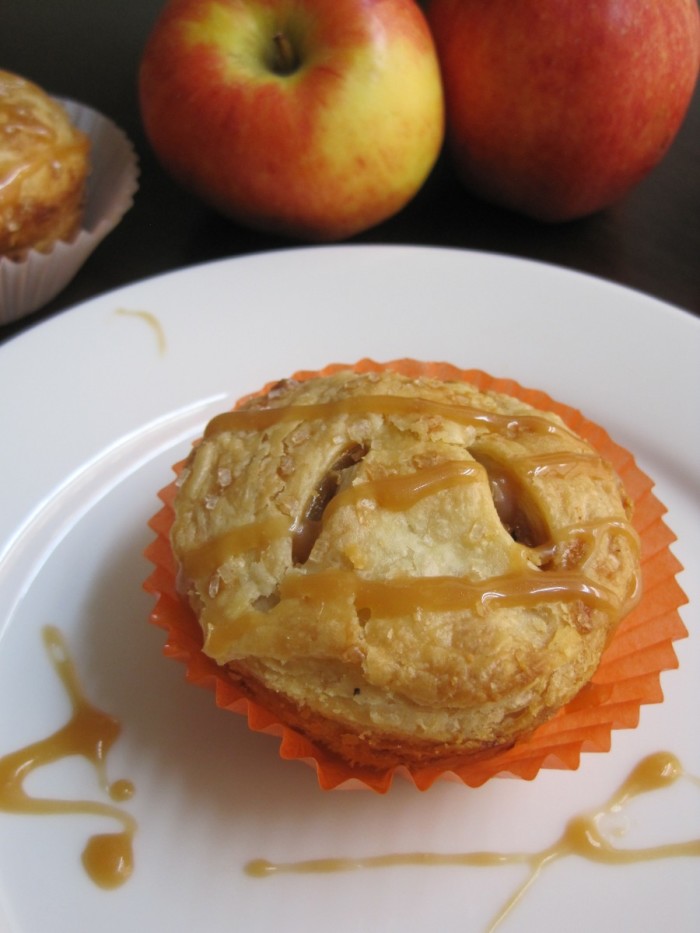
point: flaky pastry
(404, 570)
(44, 165)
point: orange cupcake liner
(627, 678)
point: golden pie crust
(405, 570)
(44, 165)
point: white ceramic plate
(95, 406)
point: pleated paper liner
(628, 676)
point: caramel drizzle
(13, 177)
(396, 493)
(589, 536)
(152, 322)
(565, 465)
(251, 536)
(258, 419)
(401, 595)
(108, 857)
(399, 493)
(581, 837)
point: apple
(557, 108)
(315, 119)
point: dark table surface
(89, 50)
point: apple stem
(286, 60)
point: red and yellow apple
(557, 108)
(314, 119)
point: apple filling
(518, 513)
(308, 529)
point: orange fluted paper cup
(627, 678)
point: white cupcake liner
(28, 284)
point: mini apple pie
(404, 570)
(44, 164)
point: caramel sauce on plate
(152, 322)
(107, 857)
(582, 837)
